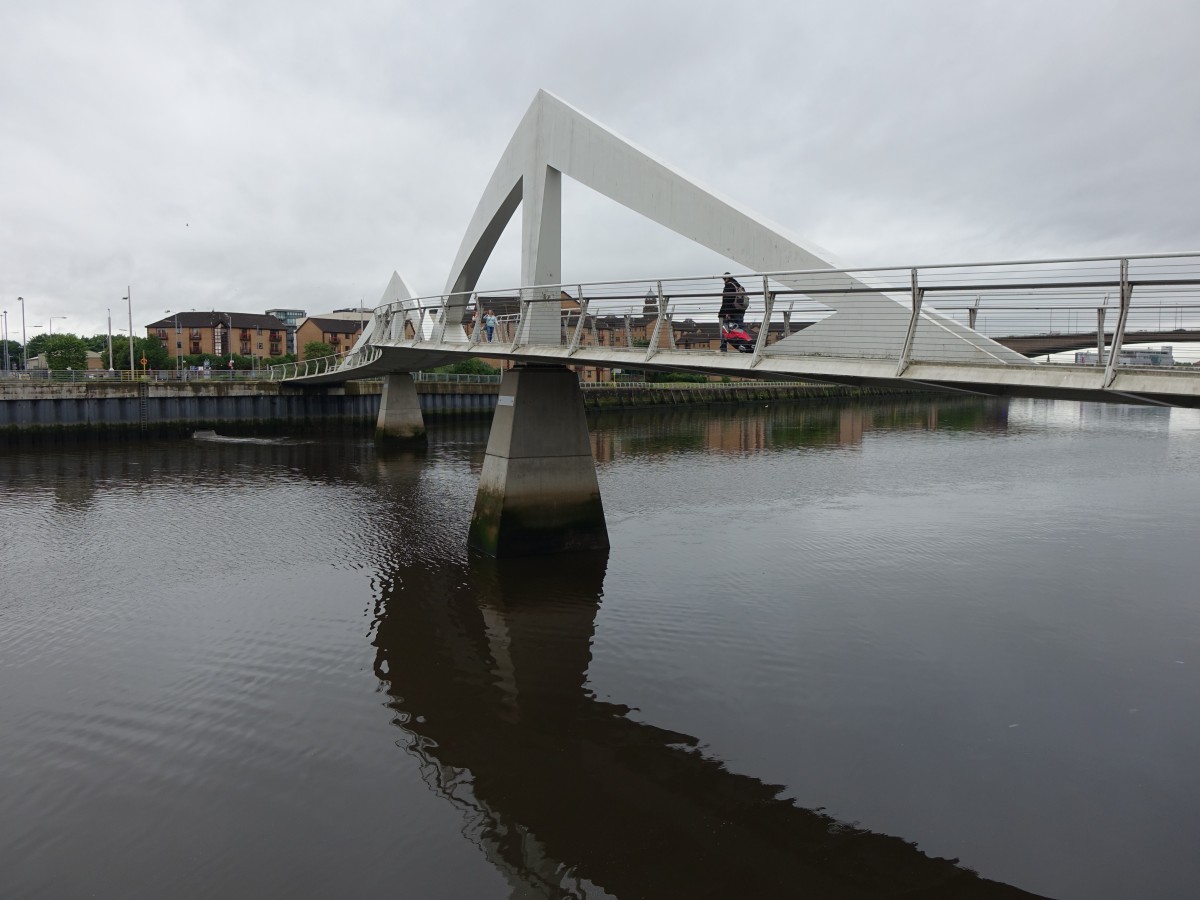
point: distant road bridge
(808, 319)
(1044, 344)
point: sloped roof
(211, 318)
(334, 326)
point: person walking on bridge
(489, 324)
(734, 303)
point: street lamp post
(52, 318)
(31, 327)
(128, 298)
(24, 354)
(5, 340)
(110, 359)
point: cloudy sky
(250, 154)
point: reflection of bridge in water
(486, 668)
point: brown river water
(836, 650)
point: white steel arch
(554, 139)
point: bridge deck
(1173, 387)
(846, 326)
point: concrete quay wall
(50, 408)
(56, 408)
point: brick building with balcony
(338, 333)
(220, 334)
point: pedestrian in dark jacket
(733, 304)
(733, 300)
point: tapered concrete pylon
(400, 422)
(538, 491)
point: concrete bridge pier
(538, 491)
(400, 423)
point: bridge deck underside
(1170, 387)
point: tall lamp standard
(6, 340)
(128, 298)
(24, 354)
(110, 359)
(52, 318)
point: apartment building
(339, 333)
(220, 334)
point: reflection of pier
(486, 670)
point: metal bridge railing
(92, 376)
(904, 314)
(325, 364)
(455, 378)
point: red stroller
(736, 335)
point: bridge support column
(400, 422)
(538, 491)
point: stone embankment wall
(52, 408)
(56, 408)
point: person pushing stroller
(734, 303)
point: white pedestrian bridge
(924, 326)
(927, 326)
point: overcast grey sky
(249, 154)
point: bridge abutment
(400, 422)
(538, 491)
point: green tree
(65, 351)
(37, 344)
(151, 348)
(471, 366)
(14, 354)
(676, 377)
(317, 349)
(97, 343)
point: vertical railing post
(1114, 353)
(973, 313)
(764, 330)
(439, 331)
(583, 308)
(787, 321)
(906, 351)
(522, 316)
(628, 331)
(652, 348)
(1100, 336)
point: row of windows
(246, 335)
(276, 349)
